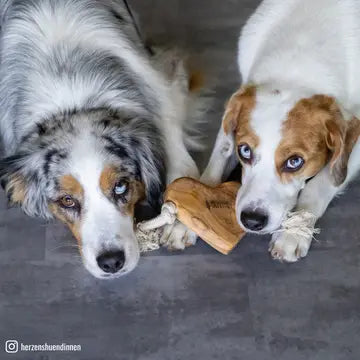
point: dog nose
(111, 262)
(254, 220)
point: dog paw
(177, 237)
(289, 247)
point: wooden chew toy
(208, 211)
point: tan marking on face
(69, 186)
(108, 179)
(16, 188)
(238, 115)
(137, 193)
(313, 130)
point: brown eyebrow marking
(71, 186)
(108, 178)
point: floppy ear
(11, 180)
(335, 141)
(223, 158)
(150, 157)
(230, 119)
(238, 108)
(232, 111)
(340, 134)
(153, 175)
(23, 185)
(341, 138)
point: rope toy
(210, 213)
(148, 233)
(300, 223)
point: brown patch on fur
(316, 131)
(238, 115)
(108, 178)
(70, 186)
(137, 193)
(16, 190)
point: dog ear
(341, 138)
(150, 157)
(230, 123)
(11, 180)
(335, 141)
(240, 102)
(153, 175)
(23, 186)
(232, 113)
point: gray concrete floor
(197, 304)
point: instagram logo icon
(11, 346)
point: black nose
(254, 220)
(111, 262)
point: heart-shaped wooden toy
(208, 211)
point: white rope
(300, 223)
(166, 217)
(148, 233)
(149, 240)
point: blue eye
(121, 188)
(294, 163)
(245, 152)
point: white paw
(289, 247)
(177, 236)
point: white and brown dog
(294, 123)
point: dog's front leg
(291, 244)
(222, 159)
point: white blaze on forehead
(100, 216)
(86, 162)
(267, 119)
